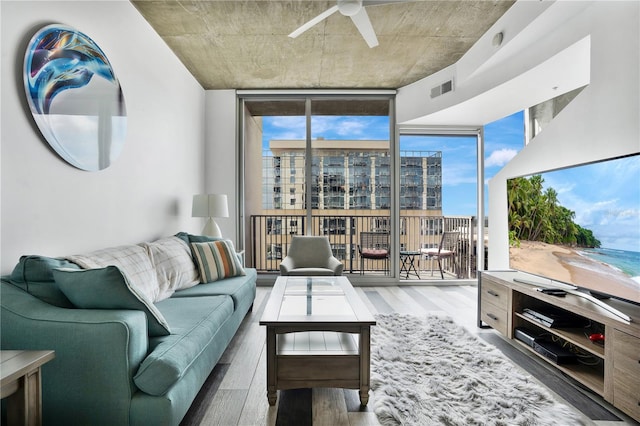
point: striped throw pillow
(216, 260)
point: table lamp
(210, 206)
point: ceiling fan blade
(314, 21)
(381, 2)
(363, 23)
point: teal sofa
(109, 368)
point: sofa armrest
(97, 352)
(286, 265)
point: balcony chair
(310, 256)
(446, 250)
(374, 246)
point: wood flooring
(235, 393)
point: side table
(408, 265)
(21, 383)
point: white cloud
(500, 157)
(351, 127)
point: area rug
(430, 371)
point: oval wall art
(75, 97)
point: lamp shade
(210, 205)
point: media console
(610, 367)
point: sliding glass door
(317, 165)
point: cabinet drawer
(494, 293)
(496, 318)
(626, 373)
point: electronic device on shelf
(525, 335)
(552, 291)
(555, 318)
(554, 352)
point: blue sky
(503, 139)
(605, 197)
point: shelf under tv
(615, 373)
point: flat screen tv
(580, 226)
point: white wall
(221, 155)
(491, 82)
(49, 207)
(602, 122)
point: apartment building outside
(350, 194)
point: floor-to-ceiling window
(439, 202)
(331, 165)
(317, 165)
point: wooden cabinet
(494, 306)
(611, 369)
(626, 373)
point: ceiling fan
(355, 9)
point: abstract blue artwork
(75, 97)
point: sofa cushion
(34, 274)
(216, 260)
(108, 288)
(240, 288)
(195, 324)
(174, 265)
(133, 260)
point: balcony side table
(21, 382)
(408, 265)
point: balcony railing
(270, 236)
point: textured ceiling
(244, 44)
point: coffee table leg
(365, 362)
(272, 392)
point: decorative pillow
(174, 265)
(34, 274)
(190, 238)
(133, 260)
(216, 260)
(108, 288)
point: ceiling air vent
(441, 89)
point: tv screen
(580, 226)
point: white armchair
(309, 256)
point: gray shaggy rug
(431, 371)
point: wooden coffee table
(318, 335)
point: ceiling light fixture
(497, 39)
(349, 7)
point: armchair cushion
(108, 288)
(310, 255)
(308, 272)
(370, 253)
